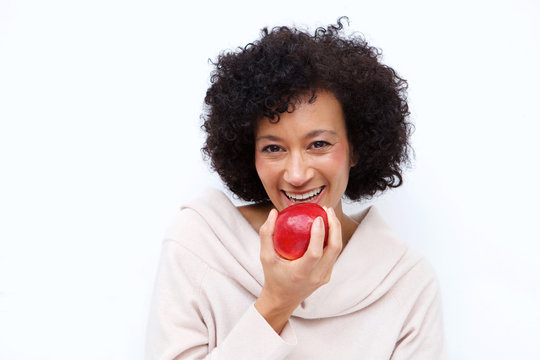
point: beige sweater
(383, 300)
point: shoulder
(417, 285)
(385, 256)
(211, 227)
(206, 214)
(421, 276)
(184, 223)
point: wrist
(276, 313)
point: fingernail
(319, 222)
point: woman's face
(306, 156)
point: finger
(335, 239)
(314, 251)
(323, 272)
(266, 233)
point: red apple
(293, 229)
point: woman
(297, 118)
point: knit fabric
(382, 302)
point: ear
(353, 156)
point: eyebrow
(309, 135)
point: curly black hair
(269, 76)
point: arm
(422, 335)
(288, 283)
(177, 328)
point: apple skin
(292, 231)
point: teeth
(304, 197)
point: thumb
(266, 232)
(315, 247)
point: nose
(297, 170)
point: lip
(316, 200)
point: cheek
(339, 158)
(264, 170)
(259, 166)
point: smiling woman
(297, 118)
(306, 156)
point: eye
(271, 148)
(320, 144)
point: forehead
(324, 113)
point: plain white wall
(99, 145)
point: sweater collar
(365, 270)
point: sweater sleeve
(176, 327)
(422, 336)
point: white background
(100, 105)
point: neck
(348, 225)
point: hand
(287, 283)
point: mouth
(303, 197)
